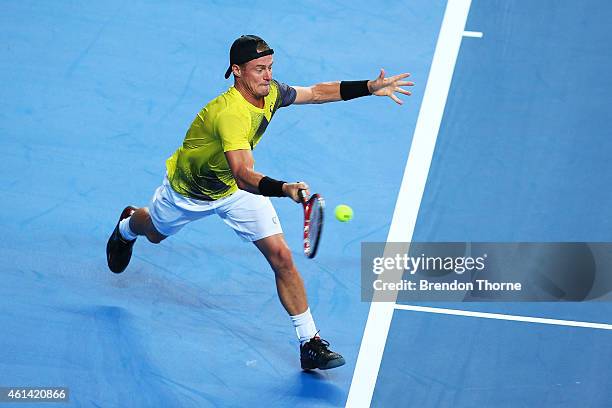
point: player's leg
(132, 222)
(140, 223)
(289, 283)
(167, 213)
(254, 219)
(314, 351)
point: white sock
(125, 230)
(304, 326)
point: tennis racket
(313, 222)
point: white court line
(500, 316)
(473, 34)
(410, 194)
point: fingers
(400, 76)
(404, 83)
(295, 191)
(388, 86)
(303, 186)
(297, 194)
(396, 99)
(403, 91)
(305, 192)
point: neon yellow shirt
(199, 169)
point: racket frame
(311, 250)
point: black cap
(244, 49)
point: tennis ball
(344, 213)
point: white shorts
(251, 216)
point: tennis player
(212, 173)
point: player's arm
(241, 164)
(319, 93)
(346, 90)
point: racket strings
(315, 225)
(315, 219)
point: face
(256, 75)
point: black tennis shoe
(316, 354)
(118, 249)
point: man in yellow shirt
(213, 173)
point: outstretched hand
(382, 86)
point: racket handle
(302, 195)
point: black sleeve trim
(287, 94)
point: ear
(236, 71)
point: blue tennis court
(520, 156)
(96, 96)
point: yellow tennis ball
(344, 213)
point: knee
(155, 237)
(282, 260)
(151, 232)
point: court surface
(96, 96)
(520, 156)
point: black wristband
(271, 188)
(354, 89)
